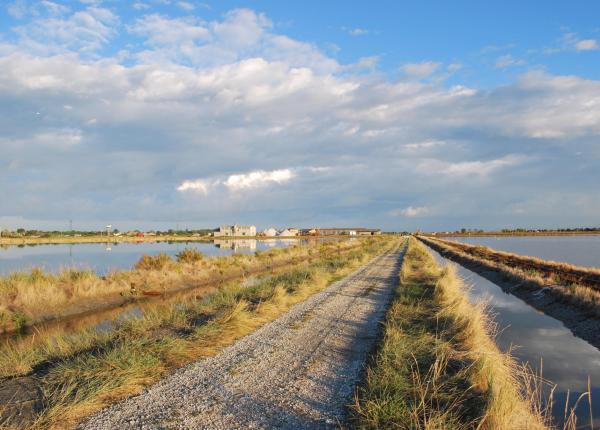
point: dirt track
(296, 372)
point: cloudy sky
(430, 114)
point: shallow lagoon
(581, 250)
(102, 258)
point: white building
(288, 233)
(236, 231)
(270, 232)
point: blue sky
(438, 115)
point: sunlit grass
(438, 366)
(81, 373)
(35, 296)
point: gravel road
(297, 372)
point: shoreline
(26, 241)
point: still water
(544, 343)
(102, 258)
(581, 250)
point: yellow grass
(92, 370)
(27, 298)
(438, 366)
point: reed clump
(438, 366)
(84, 372)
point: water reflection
(236, 244)
(542, 342)
(582, 250)
(104, 257)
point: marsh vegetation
(83, 372)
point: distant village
(224, 231)
(250, 231)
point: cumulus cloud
(197, 185)
(223, 108)
(239, 182)
(258, 179)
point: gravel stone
(297, 372)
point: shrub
(153, 262)
(189, 255)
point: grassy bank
(437, 366)
(30, 297)
(570, 285)
(82, 373)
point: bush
(189, 255)
(153, 262)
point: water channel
(545, 344)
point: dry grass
(438, 366)
(27, 298)
(82, 373)
(581, 297)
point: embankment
(568, 293)
(438, 366)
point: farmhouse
(236, 231)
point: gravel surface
(297, 372)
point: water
(103, 258)
(581, 250)
(543, 342)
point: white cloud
(172, 32)
(358, 32)
(18, 9)
(200, 186)
(85, 30)
(460, 169)
(420, 70)
(572, 42)
(410, 212)
(238, 182)
(454, 67)
(232, 95)
(187, 6)
(141, 6)
(586, 45)
(508, 60)
(257, 179)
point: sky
(393, 114)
